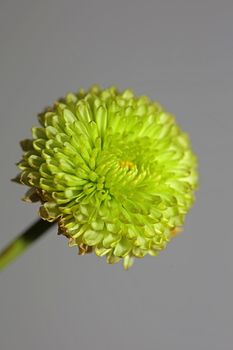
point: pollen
(126, 164)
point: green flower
(114, 170)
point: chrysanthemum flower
(114, 170)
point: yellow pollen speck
(126, 164)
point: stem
(22, 242)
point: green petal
(92, 237)
(122, 248)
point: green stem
(22, 242)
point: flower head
(114, 170)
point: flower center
(126, 164)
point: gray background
(180, 53)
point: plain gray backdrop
(179, 52)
